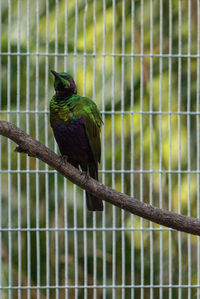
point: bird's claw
(63, 159)
(85, 174)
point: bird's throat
(63, 94)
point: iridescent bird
(76, 123)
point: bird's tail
(93, 203)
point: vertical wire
(9, 156)
(85, 247)
(0, 159)
(65, 181)
(66, 240)
(188, 142)
(84, 205)
(198, 143)
(113, 152)
(66, 36)
(27, 158)
(56, 175)
(160, 145)
(75, 244)
(132, 145)
(94, 99)
(141, 141)
(85, 47)
(122, 146)
(170, 144)
(18, 155)
(179, 146)
(46, 143)
(75, 38)
(103, 149)
(37, 161)
(151, 149)
(75, 188)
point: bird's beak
(55, 74)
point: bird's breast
(60, 112)
(72, 139)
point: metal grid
(148, 93)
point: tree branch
(34, 148)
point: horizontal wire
(22, 171)
(100, 54)
(100, 286)
(110, 112)
(24, 111)
(81, 229)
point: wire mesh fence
(139, 61)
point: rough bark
(34, 148)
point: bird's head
(64, 83)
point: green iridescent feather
(76, 123)
(77, 107)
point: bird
(76, 122)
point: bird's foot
(63, 159)
(85, 174)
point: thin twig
(34, 148)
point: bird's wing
(86, 108)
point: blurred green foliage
(131, 142)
